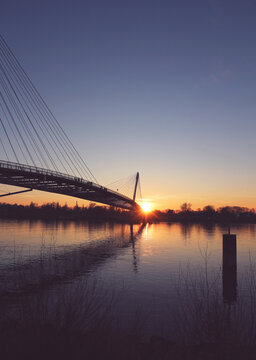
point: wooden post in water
(135, 267)
(229, 268)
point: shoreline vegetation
(93, 212)
(77, 320)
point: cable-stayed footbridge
(36, 153)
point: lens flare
(146, 206)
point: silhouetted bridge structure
(35, 152)
(59, 183)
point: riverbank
(19, 341)
(55, 211)
(95, 213)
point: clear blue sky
(164, 87)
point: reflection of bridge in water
(35, 152)
(54, 268)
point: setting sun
(146, 206)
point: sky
(166, 88)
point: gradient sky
(166, 88)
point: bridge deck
(51, 181)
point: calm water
(142, 267)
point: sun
(146, 206)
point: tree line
(93, 212)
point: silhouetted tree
(209, 209)
(185, 207)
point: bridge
(35, 152)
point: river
(147, 271)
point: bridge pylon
(136, 185)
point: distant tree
(225, 210)
(209, 209)
(186, 207)
(240, 210)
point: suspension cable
(41, 105)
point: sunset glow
(146, 206)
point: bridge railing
(37, 170)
